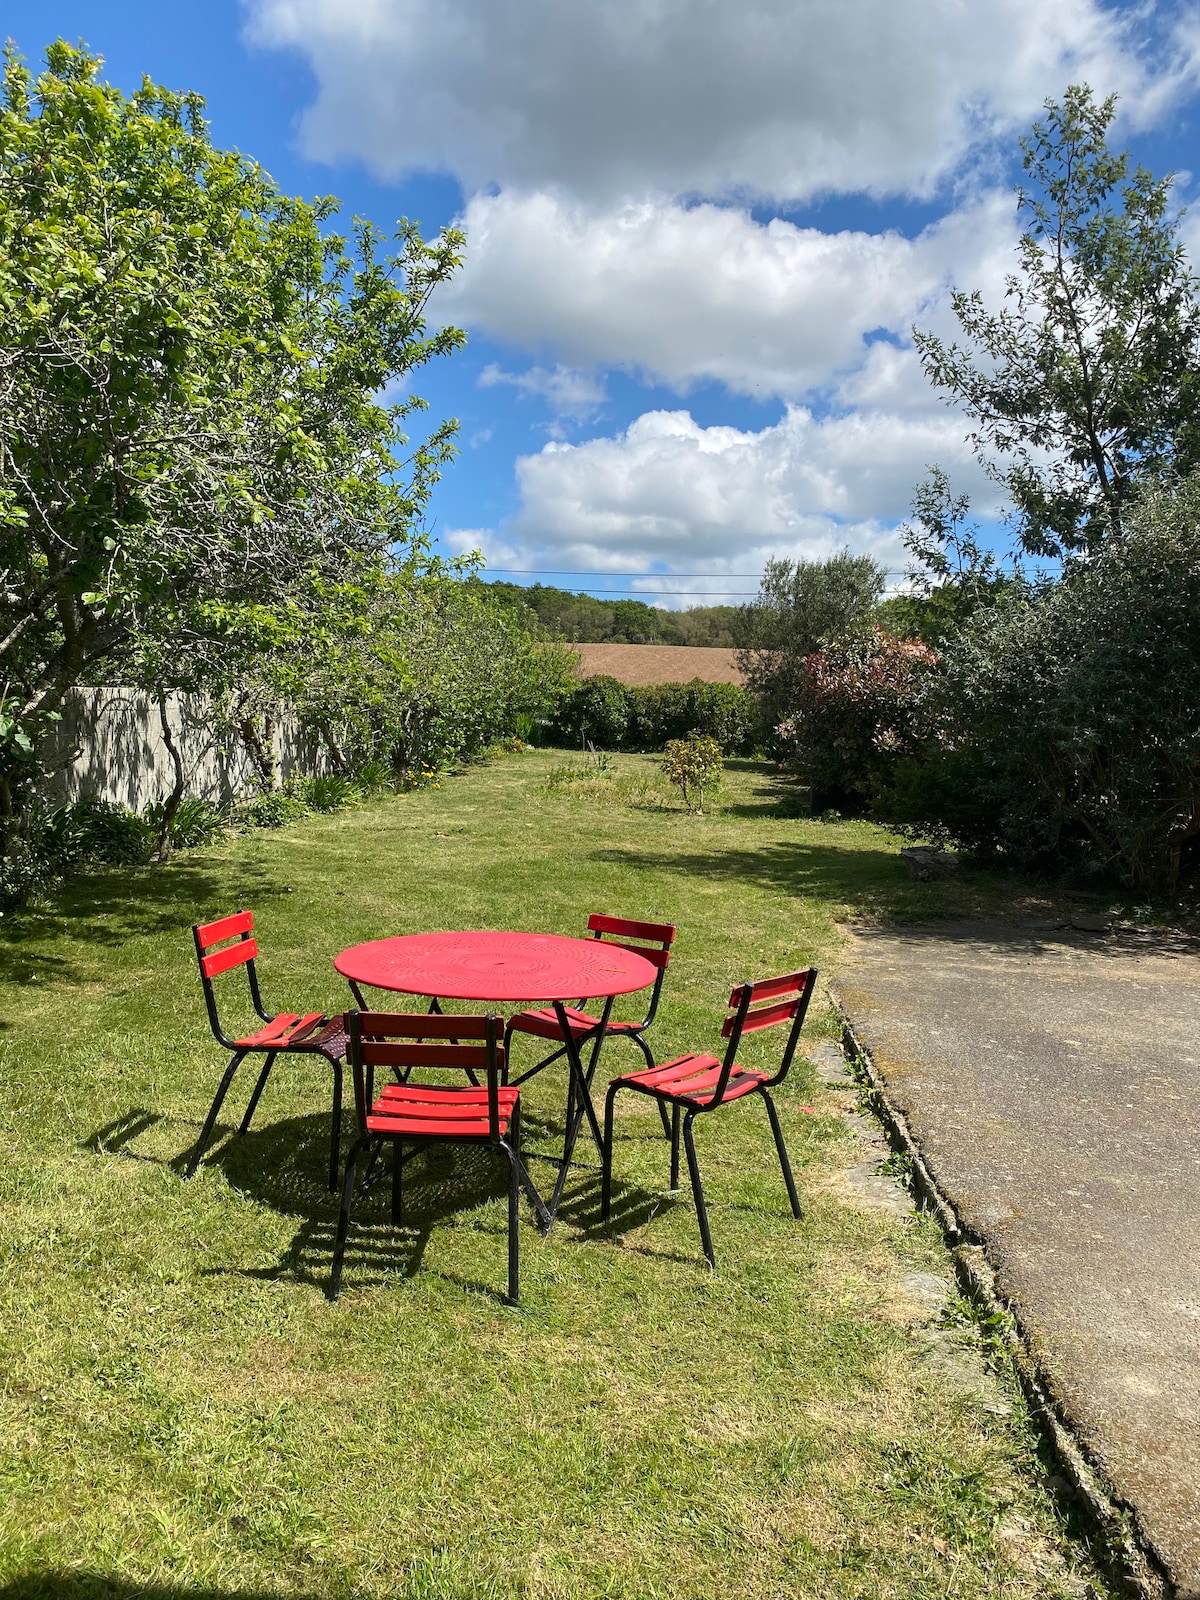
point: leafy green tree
(1085, 386)
(194, 455)
(420, 671)
(801, 604)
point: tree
(1085, 386)
(694, 764)
(800, 604)
(1065, 733)
(194, 456)
(422, 670)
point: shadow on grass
(283, 1165)
(52, 1584)
(123, 903)
(819, 872)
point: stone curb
(1136, 1564)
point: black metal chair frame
(579, 1104)
(622, 929)
(326, 1036)
(685, 1109)
(437, 1041)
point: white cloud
(685, 294)
(669, 491)
(569, 393)
(777, 98)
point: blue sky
(698, 234)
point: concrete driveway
(1052, 1081)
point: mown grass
(181, 1410)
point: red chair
(420, 1115)
(654, 942)
(288, 1033)
(692, 1085)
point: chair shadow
(283, 1165)
(53, 1584)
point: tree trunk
(163, 848)
(260, 743)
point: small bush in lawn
(64, 839)
(695, 764)
(108, 834)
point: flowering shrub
(857, 714)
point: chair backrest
(654, 943)
(221, 946)
(765, 1004)
(423, 1039)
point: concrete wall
(109, 743)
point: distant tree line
(584, 619)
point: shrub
(196, 823)
(616, 716)
(62, 839)
(327, 792)
(856, 715)
(273, 810)
(374, 777)
(1067, 733)
(694, 764)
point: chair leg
(258, 1089)
(606, 1154)
(210, 1121)
(783, 1155)
(514, 1234)
(343, 1227)
(664, 1119)
(335, 1129)
(397, 1182)
(689, 1144)
(675, 1115)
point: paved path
(1052, 1081)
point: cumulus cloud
(667, 491)
(683, 294)
(781, 99)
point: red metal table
(508, 967)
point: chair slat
(624, 928)
(425, 1025)
(211, 933)
(235, 955)
(764, 1017)
(768, 988)
(656, 958)
(382, 1053)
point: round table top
(497, 966)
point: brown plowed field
(638, 664)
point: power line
(640, 577)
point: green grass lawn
(182, 1409)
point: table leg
(579, 1096)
